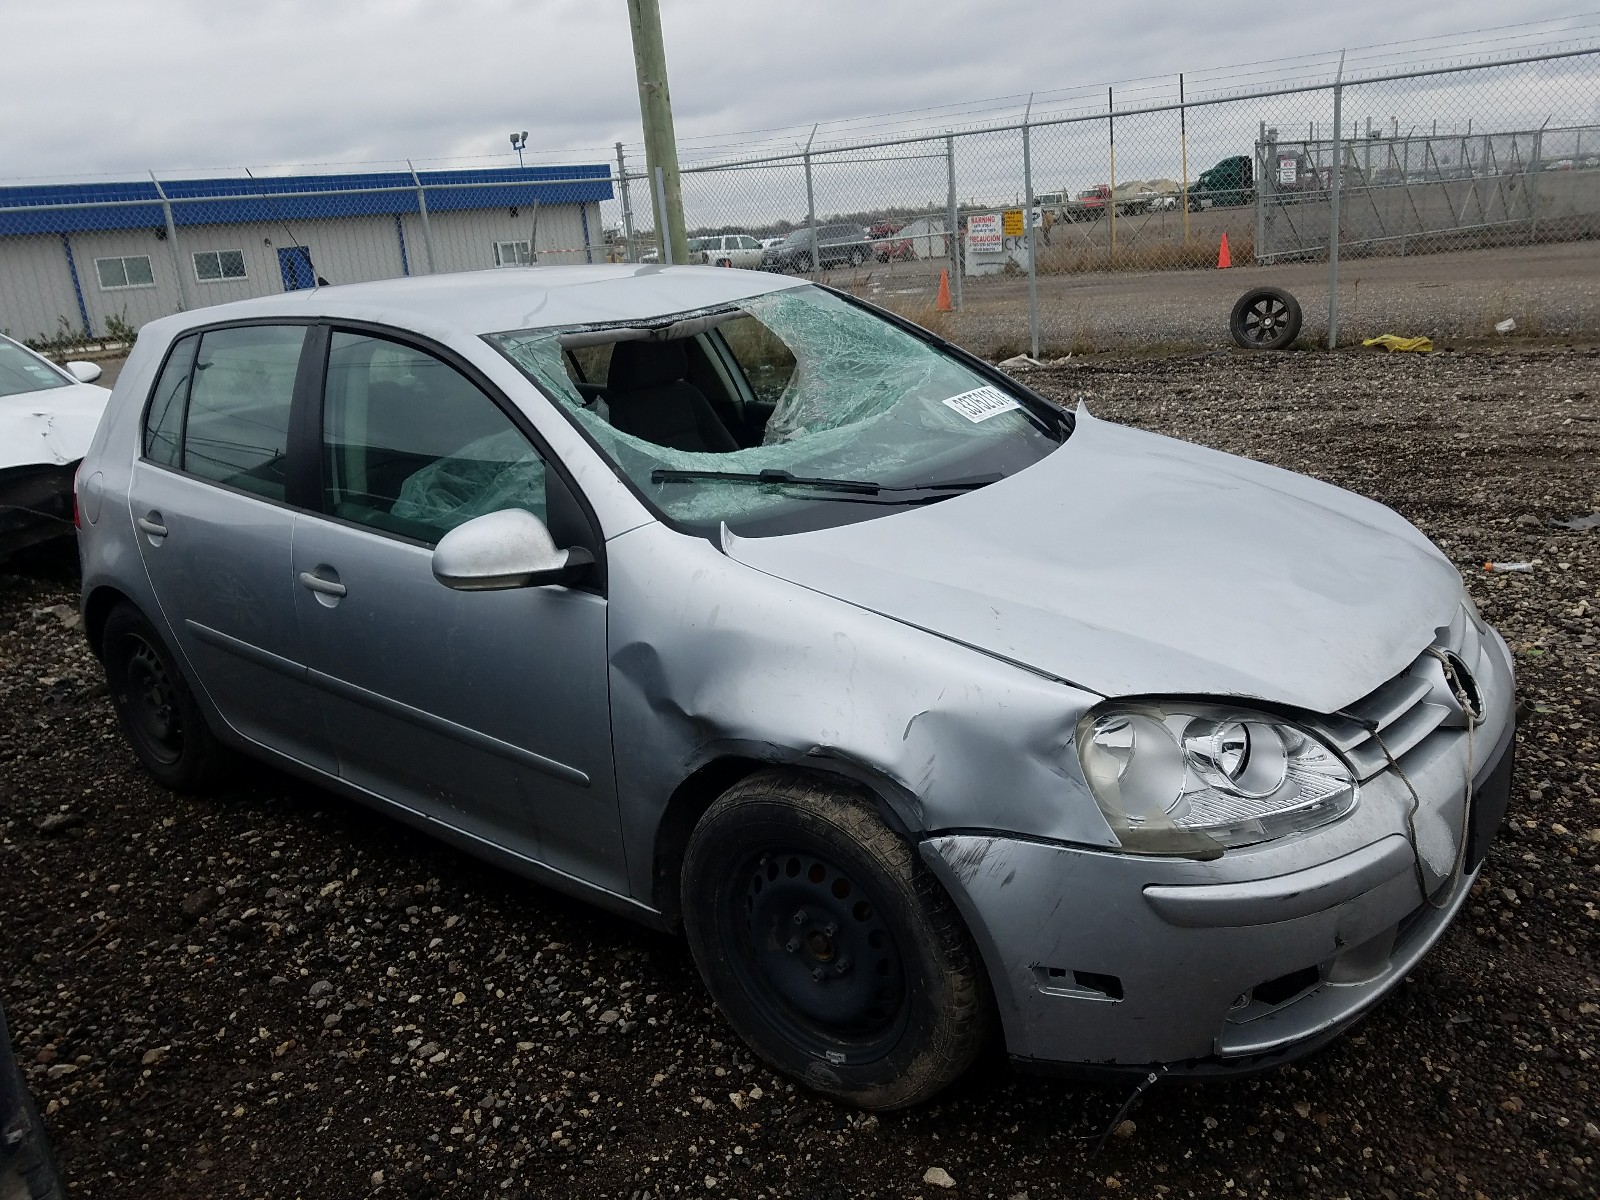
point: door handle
(153, 528)
(316, 583)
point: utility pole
(655, 111)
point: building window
(130, 272)
(512, 254)
(213, 265)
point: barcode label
(982, 403)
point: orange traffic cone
(943, 304)
(1224, 259)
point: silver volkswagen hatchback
(735, 605)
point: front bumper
(1108, 963)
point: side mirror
(506, 549)
(84, 372)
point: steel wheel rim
(151, 703)
(813, 950)
(1264, 319)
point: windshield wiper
(861, 487)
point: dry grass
(1134, 255)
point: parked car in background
(837, 246)
(48, 415)
(767, 243)
(729, 250)
(736, 605)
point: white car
(48, 414)
(727, 250)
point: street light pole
(655, 112)
(518, 141)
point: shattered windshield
(788, 411)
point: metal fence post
(627, 206)
(172, 244)
(954, 239)
(1267, 178)
(1333, 207)
(1183, 145)
(427, 229)
(1027, 225)
(1111, 200)
(663, 242)
(811, 208)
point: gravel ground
(270, 992)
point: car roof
(507, 298)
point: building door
(294, 264)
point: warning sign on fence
(983, 233)
(1013, 223)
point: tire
(1266, 318)
(156, 707)
(857, 256)
(802, 264)
(829, 947)
(724, 262)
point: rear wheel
(1265, 318)
(829, 946)
(157, 709)
(802, 264)
(724, 262)
(857, 256)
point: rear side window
(237, 429)
(163, 422)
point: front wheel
(155, 706)
(857, 256)
(828, 945)
(1265, 318)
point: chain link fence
(1463, 196)
(1104, 225)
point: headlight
(1192, 779)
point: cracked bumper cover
(1109, 963)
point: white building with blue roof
(85, 258)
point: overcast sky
(113, 88)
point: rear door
(488, 711)
(209, 498)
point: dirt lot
(1550, 291)
(271, 992)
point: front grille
(1407, 709)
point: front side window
(237, 429)
(131, 271)
(21, 371)
(213, 265)
(413, 447)
(825, 391)
(513, 254)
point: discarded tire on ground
(1266, 318)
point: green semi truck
(1227, 185)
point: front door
(294, 265)
(208, 503)
(488, 711)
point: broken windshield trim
(1060, 422)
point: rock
(377, 1179)
(151, 1057)
(938, 1177)
(60, 1069)
(610, 1015)
(1528, 521)
(1125, 1129)
(199, 902)
(320, 988)
(58, 822)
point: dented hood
(49, 428)
(1128, 563)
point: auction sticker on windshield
(982, 403)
